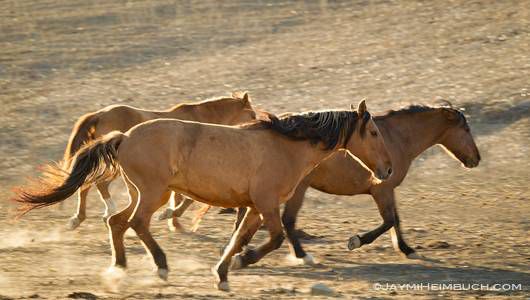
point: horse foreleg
(182, 207)
(250, 221)
(174, 201)
(271, 218)
(290, 213)
(241, 211)
(399, 243)
(386, 205)
(80, 215)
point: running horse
(407, 132)
(232, 110)
(258, 166)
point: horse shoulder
(341, 174)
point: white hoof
(163, 274)
(167, 214)
(223, 286)
(237, 262)
(115, 272)
(307, 260)
(354, 242)
(73, 223)
(113, 278)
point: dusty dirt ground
(60, 59)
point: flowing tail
(82, 133)
(93, 162)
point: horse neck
(415, 132)
(179, 111)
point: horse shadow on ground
(402, 274)
(501, 115)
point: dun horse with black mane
(257, 166)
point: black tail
(93, 162)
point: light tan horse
(232, 110)
(257, 166)
(407, 133)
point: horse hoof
(354, 242)
(114, 275)
(223, 286)
(414, 255)
(167, 214)
(73, 223)
(307, 260)
(174, 226)
(237, 262)
(163, 274)
(113, 278)
(227, 211)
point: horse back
(120, 118)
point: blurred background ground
(60, 59)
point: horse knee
(389, 222)
(114, 220)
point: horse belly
(212, 188)
(341, 175)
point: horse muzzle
(383, 175)
(471, 163)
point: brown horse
(232, 110)
(407, 133)
(257, 166)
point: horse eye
(373, 133)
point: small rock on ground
(82, 295)
(321, 289)
(438, 245)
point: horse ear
(241, 95)
(246, 97)
(361, 108)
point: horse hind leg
(149, 202)
(80, 214)
(399, 242)
(118, 224)
(110, 205)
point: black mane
(416, 108)
(328, 127)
